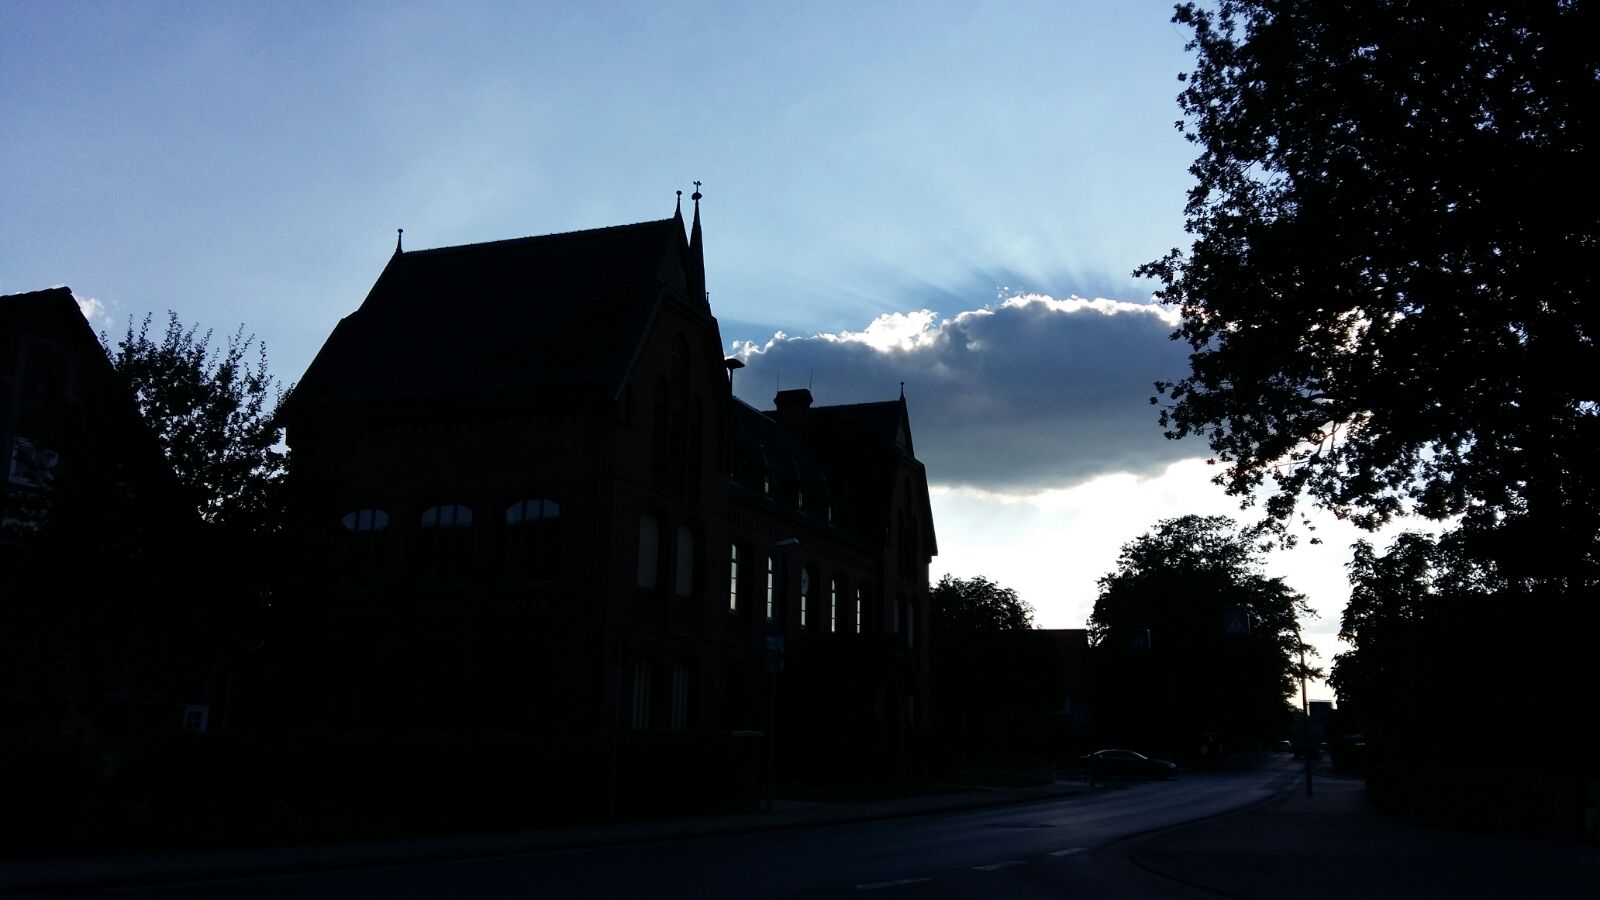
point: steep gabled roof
(52, 311)
(500, 323)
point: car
(1283, 747)
(1126, 763)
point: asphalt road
(1055, 848)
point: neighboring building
(88, 508)
(536, 507)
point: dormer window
(800, 498)
(766, 484)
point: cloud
(1029, 393)
(93, 310)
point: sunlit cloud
(94, 310)
(1028, 393)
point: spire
(399, 233)
(694, 233)
(697, 253)
(677, 210)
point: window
(833, 605)
(649, 552)
(684, 573)
(443, 550)
(805, 594)
(680, 697)
(772, 588)
(365, 546)
(861, 602)
(196, 717)
(642, 676)
(532, 553)
(733, 578)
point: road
(1030, 850)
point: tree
(1390, 294)
(976, 606)
(1167, 670)
(994, 680)
(213, 412)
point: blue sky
(907, 192)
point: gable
(498, 324)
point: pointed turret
(697, 256)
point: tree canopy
(976, 606)
(1171, 663)
(1390, 294)
(213, 412)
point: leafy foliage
(1390, 294)
(976, 606)
(1166, 670)
(213, 413)
(1448, 663)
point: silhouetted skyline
(869, 177)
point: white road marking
(887, 884)
(999, 865)
(1068, 852)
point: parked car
(1126, 763)
(1283, 747)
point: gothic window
(733, 578)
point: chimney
(794, 409)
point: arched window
(685, 574)
(861, 604)
(649, 572)
(733, 578)
(443, 544)
(366, 545)
(532, 549)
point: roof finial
(696, 195)
(902, 390)
(399, 233)
(679, 208)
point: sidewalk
(57, 874)
(1334, 844)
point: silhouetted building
(536, 507)
(94, 636)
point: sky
(950, 195)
